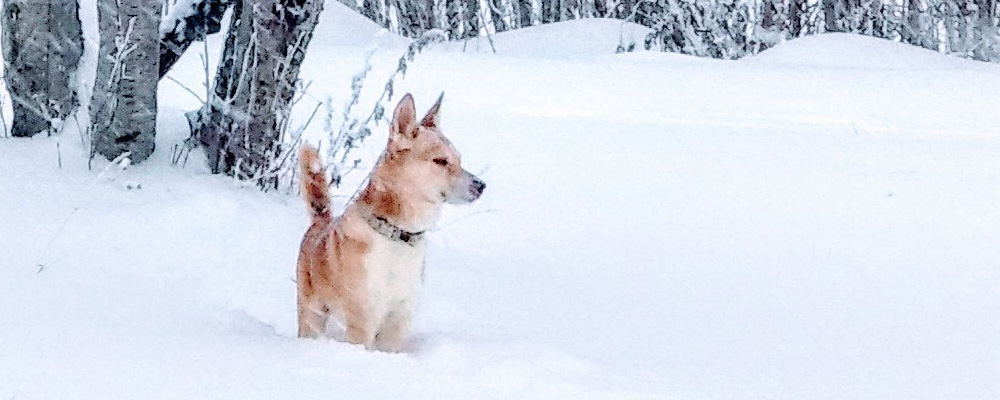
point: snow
(817, 222)
(566, 39)
(849, 51)
(175, 15)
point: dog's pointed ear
(431, 119)
(404, 119)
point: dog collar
(382, 226)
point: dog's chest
(393, 271)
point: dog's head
(426, 160)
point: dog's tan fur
(348, 270)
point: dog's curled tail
(314, 188)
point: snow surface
(817, 222)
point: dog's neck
(382, 201)
(392, 232)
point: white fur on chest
(393, 275)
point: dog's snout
(466, 190)
(478, 185)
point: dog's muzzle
(468, 190)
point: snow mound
(341, 26)
(577, 38)
(843, 50)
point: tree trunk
(550, 11)
(123, 108)
(833, 15)
(770, 18)
(915, 30)
(987, 46)
(42, 45)
(373, 9)
(187, 24)
(797, 10)
(241, 128)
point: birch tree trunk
(42, 45)
(123, 108)
(241, 126)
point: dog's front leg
(312, 318)
(392, 336)
(361, 333)
(360, 327)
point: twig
(189, 90)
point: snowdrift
(576, 38)
(844, 50)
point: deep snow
(817, 222)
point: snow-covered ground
(821, 221)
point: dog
(365, 267)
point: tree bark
(987, 41)
(915, 30)
(123, 108)
(187, 26)
(42, 45)
(241, 126)
(797, 10)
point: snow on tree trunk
(42, 45)
(123, 108)
(254, 85)
(186, 22)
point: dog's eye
(441, 161)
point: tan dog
(365, 267)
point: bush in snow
(354, 129)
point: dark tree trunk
(425, 15)
(472, 18)
(123, 108)
(986, 31)
(524, 12)
(770, 16)
(797, 10)
(915, 30)
(496, 12)
(189, 26)
(265, 46)
(42, 45)
(550, 11)
(625, 8)
(373, 10)
(832, 10)
(415, 16)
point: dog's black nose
(478, 185)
